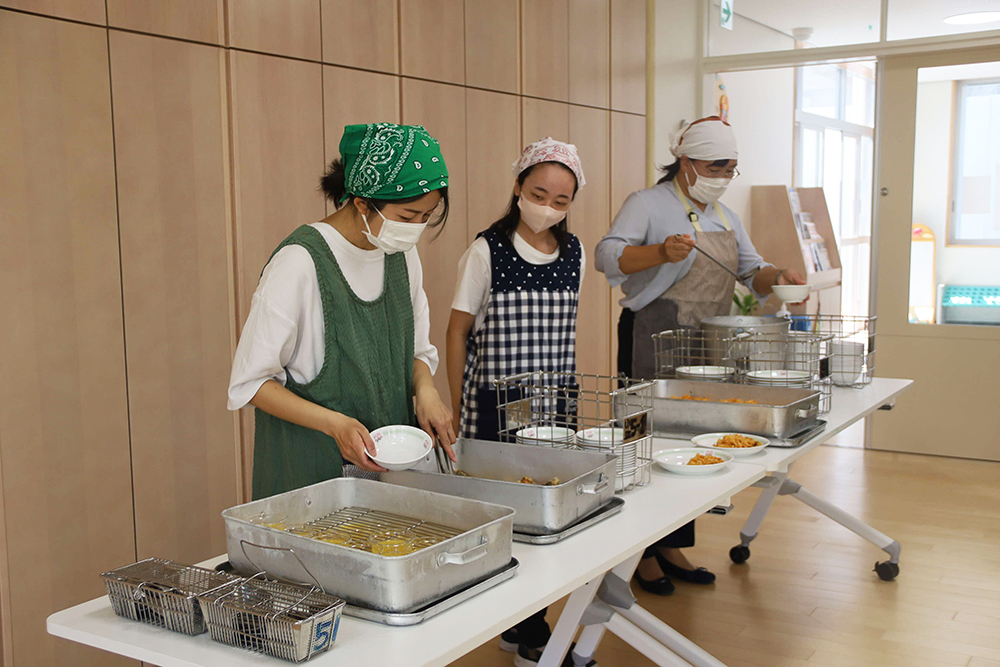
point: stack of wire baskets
(601, 413)
(282, 620)
(852, 351)
(795, 359)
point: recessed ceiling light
(973, 18)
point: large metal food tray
(781, 412)
(396, 584)
(613, 507)
(587, 481)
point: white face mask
(538, 217)
(395, 236)
(707, 190)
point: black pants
(684, 536)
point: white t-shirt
(285, 333)
(472, 292)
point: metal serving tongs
(444, 463)
(738, 277)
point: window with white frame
(834, 128)
(975, 211)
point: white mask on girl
(707, 190)
(538, 217)
(395, 236)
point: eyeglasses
(718, 172)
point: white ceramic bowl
(845, 378)
(400, 447)
(703, 372)
(545, 435)
(675, 460)
(605, 436)
(792, 293)
(779, 377)
(708, 440)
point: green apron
(367, 372)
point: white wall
(931, 190)
(676, 70)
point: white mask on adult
(395, 236)
(707, 190)
(538, 217)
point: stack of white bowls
(713, 373)
(781, 378)
(609, 439)
(846, 362)
(546, 436)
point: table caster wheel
(887, 571)
(739, 554)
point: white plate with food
(737, 444)
(703, 372)
(400, 447)
(692, 460)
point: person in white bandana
(649, 252)
(518, 284)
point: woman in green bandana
(337, 340)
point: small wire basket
(163, 593)
(604, 413)
(852, 352)
(794, 359)
(279, 619)
(693, 354)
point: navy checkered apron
(530, 325)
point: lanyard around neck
(693, 215)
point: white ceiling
(841, 22)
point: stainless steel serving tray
(781, 412)
(392, 584)
(613, 507)
(587, 481)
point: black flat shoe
(661, 586)
(699, 575)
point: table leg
(569, 620)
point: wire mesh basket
(282, 620)
(581, 411)
(852, 352)
(163, 593)
(693, 354)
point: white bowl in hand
(792, 293)
(400, 447)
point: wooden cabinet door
(441, 109)
(172, 153)
(542, 118)
(197, 20)
(589, 53)
(490, 155)
(628, 55)
(64, 441)
(278, 160)
(492, 58)
(589, 219)
(88, 11)
(545, 48)
(432, 39)
(281, 27)
(361, 34)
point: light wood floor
(807, 597)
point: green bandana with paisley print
(389, 161)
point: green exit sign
(726, 14)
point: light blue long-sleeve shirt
(648, 217)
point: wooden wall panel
(491, 45)
(173, 193)
(198, 20)
(541, 119)
(361, 34)
(589, 53)
(490, 155)
(89, 11)
(545, 48)
(432, 41)
(628, 55)
(589, 218)
(441, 109)
(344, 104)
(63, 415)
(277, 163)
(281, 27)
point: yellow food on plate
(736, 441)
(705, 460)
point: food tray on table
(781, 414)
(274, 618)
(490, 472)
(390, 582)
(163, 593)
(606, 511)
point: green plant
(747, 304)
